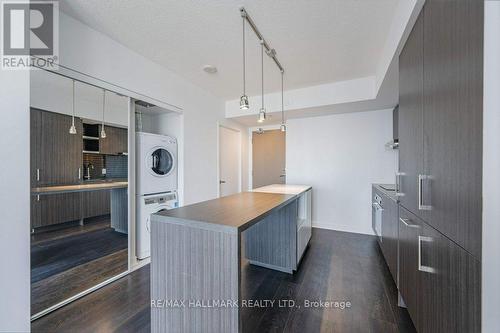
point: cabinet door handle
(398, 183)
(409, 225)
(421, 205)
(79, 173)
(37, 175)
(421, 267)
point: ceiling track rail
(269, 51)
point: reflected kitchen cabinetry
(115, 142)
(51, 209)
(55, 209)
(96, 203)
(56, 155)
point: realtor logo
(30, 34)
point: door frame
(250, 149)
(219, 125)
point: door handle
(409, 225)
(37, 175)
(282, 175)
(421, 267)
(222, 181)
(421, 205)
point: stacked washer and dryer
(156, 167)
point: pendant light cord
(73, 118)
(103, 105)
(244, 59)
(282, 104)
(262, 69)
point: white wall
(14, 202)
(491, 167)
(340, 156)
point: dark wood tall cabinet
(440, 121)
(440, 157)
(411, 150)
(453, 109)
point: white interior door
(229, 161)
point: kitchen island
(196, 257)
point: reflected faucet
(89, 165)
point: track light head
(244, 105)
(262, 115)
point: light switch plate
(103, 171)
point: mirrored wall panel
(79, 186)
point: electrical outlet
(103, 171)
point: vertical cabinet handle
(79, 173)
(37, 175)
(421, 267)
(421, 205)
(398, 184)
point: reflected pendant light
(262, 112)
(72, 129)
(103, 132)
(283, 126)
(244, 105)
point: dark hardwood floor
(68, 261)
(337, 266)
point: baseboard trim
(339, 227)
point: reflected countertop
(87, 185)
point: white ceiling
(317, 41)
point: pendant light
(283, 126)
(262, 112)
(244, 105)
(72, 129)
(103, 132)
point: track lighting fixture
(283, 126)
(72, 129)
(244, 105)
(262, 112)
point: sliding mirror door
(79, 181)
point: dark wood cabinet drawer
(449, 295)
(96, 203)
(55, 209)
(439, 281)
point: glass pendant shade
(262, 115)
(244, 102)
(72, 129)
(283, 127)
(103, 133)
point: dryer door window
(161, 162)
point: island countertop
(82, 187)
(283, 189)
(239, 211)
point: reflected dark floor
(338, 266)
(67, 261)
